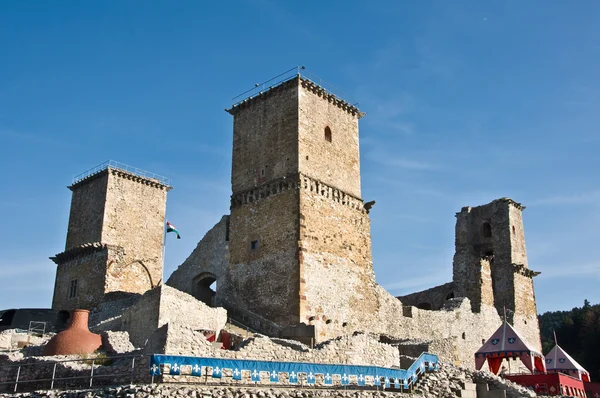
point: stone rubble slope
(449, 380)
(191, 391)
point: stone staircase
(240, 329)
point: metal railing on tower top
(123, 167)
(290, 74)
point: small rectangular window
(254, 245)
(73, 288)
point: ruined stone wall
(471, 267)
(165, 305)
(264, 279)
(454, 321)
(336, 268)
(210, 257)
(141, 319)
(433, 298)
(360, 349)
(336, 162)
(87, 210)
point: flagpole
(164, 247)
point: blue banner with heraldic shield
(255, 376)
(175, 369)
(345, 373)
(345, 379)
(196, 370)
(274, 377)
(361, 380)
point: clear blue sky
(467, 101)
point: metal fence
(81, 373)
(102, 371)
(113, 164)
(290, 74)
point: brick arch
(134, 277)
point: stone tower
(115, 236)
(490, 263)
(299, 240)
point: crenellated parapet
(123, 171)
(83, 251)
(304, 82)
(270, 188)
(297, 181)
(337, 195)
(320, 91)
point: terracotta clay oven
(76, 338)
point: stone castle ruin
(293, 258)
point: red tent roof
(506, 343)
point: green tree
(578, 333)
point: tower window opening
(254, 245)
(487, 230)
(327, 134)
(73, 288)
(513, 229)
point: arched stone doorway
(205, 288)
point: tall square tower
(115, 236)
(299, 242)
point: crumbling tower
(300, 247)
(490, 264)
(115, 236)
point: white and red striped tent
(506, 343)
(557, 360)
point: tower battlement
(290, 78)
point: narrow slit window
(73, 288)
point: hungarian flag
(171, 228)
